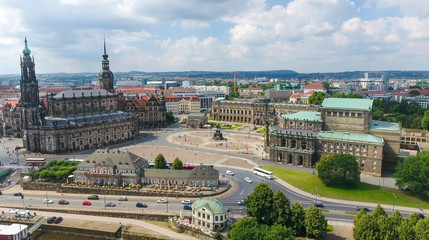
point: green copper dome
(26, 51)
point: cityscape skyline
(232, 35)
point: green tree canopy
(315, 223)
(170, 117)
(422, 229)
(248, 228)
(407, 230)
(279, 232)
(317, 98)
(338, 169)
(298, 219)
(367, 228)
(259, 204)
(339, 95)
(177, 164)
(160, 162)
(425, 120)
(413, 93)
(282, 209)
(412, 174)
(361, 213)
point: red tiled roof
(373, 92)
(315, 86)
(12, 103)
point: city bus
(35, 162)
(263, 173)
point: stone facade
(70, 120)
(202, 175)
(209, 214)
(111, 168)
(300, 133)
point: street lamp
(317, 193)
(105, 200)
(394, 198)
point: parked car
(110, 204)
(420, 216)
(18, 194)
(141, 204)
(359, 208)
(241, 202)
(318, 204)
(51, 219)
(48, 201)
(58, 220)
(122, 198)
(63, 202)
(248, 180)
(229, 172)
(162, 201)
(93, 197)
(86, 203)
(187, 207)
(186, 201)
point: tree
(282, 209)
(298, 219)
(422, 229)
(160, 162)
(279, 232)
(338, 169)
(367, 229)
(259, 204)
(379, 212)
(248, 228)
(406, 230)
(354, 95)
(169, 117)
(317, 98)
(315, 223)
(218, 236)
(425, 120)
(361, 213)
(413, 93)
(177, 164)
(339, 95)
(412, 174)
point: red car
(88, 203)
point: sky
(216, 35)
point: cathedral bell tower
(30, 108)
(29, 101)
(106, 76)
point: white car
(186, 201)
(48, 201)
(229, 172)
(247, 179)
(162, 201)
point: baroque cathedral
(75, 120)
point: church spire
(106, 76)
(105, 56)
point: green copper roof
(213, 205)
(303, 116)
(352, 137)
(26, 51)
(385, 126)
(347, 104)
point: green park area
(363, 192)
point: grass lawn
(362, 192)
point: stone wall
(120, 192)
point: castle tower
(106, 76)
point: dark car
(187, 207)
(142, 205)
(420, 216)
(58, 220)
(51, 219)
(63, 202)
(318, 204)
(93, 197)
(18, 194)
(110, 204)
(359, 208)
